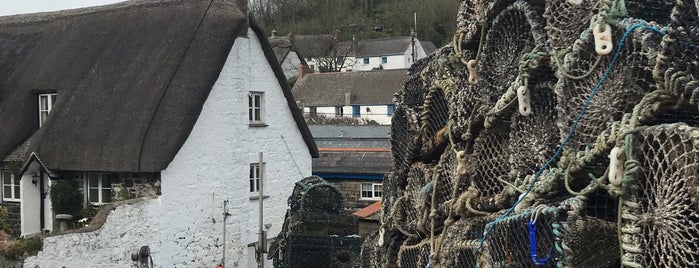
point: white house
(172, 100)
(323, 53)
(367, 95)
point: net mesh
(465, 150)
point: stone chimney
(355, 45)
(303, 70)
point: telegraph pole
(262, 239)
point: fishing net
(532, 115)
(660, 214)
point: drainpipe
(42, 197)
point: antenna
(413, 35)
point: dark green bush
(66, 198)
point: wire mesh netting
(562, 128)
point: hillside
(364, 18)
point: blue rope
(532, 246)
(490, 226)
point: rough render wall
(212, 166)
(127, 228)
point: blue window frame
(384, 59)
(366, 61)
(389, 109)
(355, 110)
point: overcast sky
(11, 7)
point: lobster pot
(318, 224)
(490, 160)
(393, 187)
(565, 21)
(322, 251)
(679, 53)
(513, 33)
(508, 242)
(589, 242)
(417, 190)
(629, 80)
(435, 114)
(404, 138)
(533, 139)
(458, 243)
(314, 194)
(653, 10)
(414, 256)
(406, 217)
(660, 213)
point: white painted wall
(392, 62)
(213, 166)
(31, 203)
(290, 66)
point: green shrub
(20, 247)
(66, 198)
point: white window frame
(100, 187)
(253, 106)
(15, 189)
(254, 178)
(375, 194)
(384, 59)
(44, 111)
(339, 111)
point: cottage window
(254, 177)
(389, 109)
(371, 191)
(99, 188)
(384, 60)
(339, 111)
(313, 111)
(10, 186)
(255, 101)
(366, 61)
(46, 102)
(355, 111)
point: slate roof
(343, 162)
(428, 46)
(369, 87)
(355, 150)
(131, 80)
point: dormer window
(46, 102)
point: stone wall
(13, 216)
(351, 189)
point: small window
(355, 111)
(366, 61)
(10, 186)
(255, 101)
(313, 111)
(99, 188)
(254, 177)
(46, 102)
(340, 61)
(339, 111)
(384, 59)
(371, 191)
(312, 68)
(389, 109)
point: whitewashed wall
(213, 166)
(291, 64)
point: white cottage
(172, 100)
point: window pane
(257, 115)
(43, 103)
(7, 191)
(53, 99)
(377, 190)
(107, 182)
(257, 185)
(106, 195)
(6, 178)
(366, 187)
(93, 180)
(250, 114)
(252, 185)
(16, 191)
(249, 100)
(257, 101)
(93, 195)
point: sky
(11, 7)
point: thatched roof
(369, 87)
(131, 80)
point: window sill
(258, 125)
(369, 199)
(257, 197)
(11, 200)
